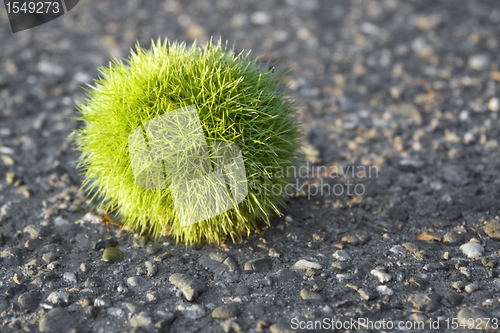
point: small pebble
(141, 319)
(410, 165)
(479, 61)
(340, 265)
(492, 229)
(57, 320)
(231, 264)
(32, 244)
(71, 277)
(12, 257)
(17, 279)
(259, 265)
(425, 302)
(137, 284)
(452, 237)
(91, 311)
(357, 238)
(115, 312)
(82, 78)
(167, 316)
(279, 327)
(53, 265)
(193, 312)
(418, 317)
(471, 287)
(131, 308)
(102, 302)
(307, 294)
(7, 160)
(189, 286)
(382, 276)
(465, 271)
(412, 247)
(260, 18)
(472, 250)
(84, 302)
(218, 256)
(112, 254)
(494, 104)
(93, 282)
(58, 297)
(430, 236)
(226, 311)
(59, 222)
(37, 231)
(305, 264)
(343, 277)
(439, 222)
(92, 218)
(273, 253)
(366, 294)
(152, 269)
(384, 290)
(342, 255)
(398, 249)
(10, 177)
(151, 296)
(434, 266)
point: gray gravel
(408, 87)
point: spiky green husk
(236, 102)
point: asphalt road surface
(399, 98)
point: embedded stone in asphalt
(438, 222)
(358, 237)
(366, 294)
(57, 320)
(112, 254)
(492, 229)
(472, 249)
(226, 311)
(188, 285)
(425, 302)
(259, 265)
(310, 295)
(382, 276)
(305, 264)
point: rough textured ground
(408, 87)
